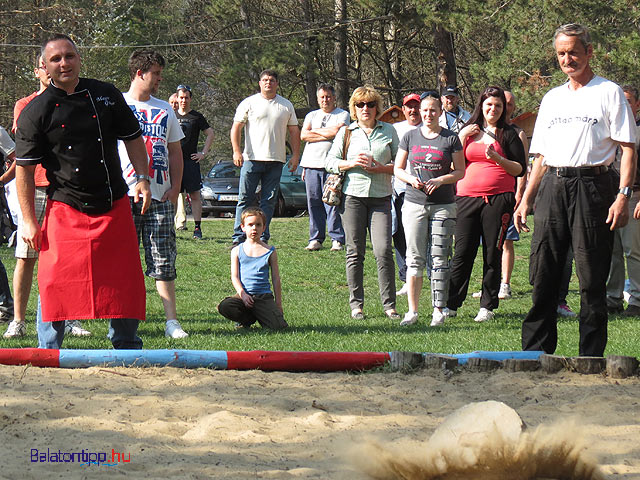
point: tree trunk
(340, 55)
(392, 61)
(310, 78)
(446, 62)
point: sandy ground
(194, 424)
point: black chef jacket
(75, 137)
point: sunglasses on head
(429, 94)
(368, 104)
(183, 87)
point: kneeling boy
(250, 264)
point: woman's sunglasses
(368, 104)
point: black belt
(579, 171)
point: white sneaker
(452, 313)
(15, 329)
(439, 316)
(484, 315)
(505, 291)
(73, 327)
(336, 246)
(476, 294)
(313, 246)
(409, 319)
(403, 291)
(174, 330)
(564, 310)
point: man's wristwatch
(626, 191)
(139, 178)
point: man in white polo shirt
(266, 117)
(579, 127)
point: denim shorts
(512, 233)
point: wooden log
(483, 364)
(520, 365)
(619, 366)
(588, 365)
(553, 363)
(433, 360)
(405, 361)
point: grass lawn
(316, 306)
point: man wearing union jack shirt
(162, 134)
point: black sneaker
(197, 233)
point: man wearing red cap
(411, 110)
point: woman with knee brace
(435, 163)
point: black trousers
(399, 241)
(487, 218)
(6, 301)
(570, 212)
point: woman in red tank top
(485, 199)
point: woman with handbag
(365, 157)
(485, 199)
(429, 209)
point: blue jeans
(51, 334)
(321, 215)
(252, 173)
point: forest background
(218, 47)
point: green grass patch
(315, 298)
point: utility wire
(230, 40)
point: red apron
(89, 265)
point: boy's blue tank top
(254, 271)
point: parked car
(220, 191)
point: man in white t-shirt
(162, 134)
(266, 117)
(411, 111)
(579, 127)
(318, 130)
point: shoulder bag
(332, 190)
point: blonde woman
(366, 205)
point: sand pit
(174, 423)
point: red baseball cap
(411, 96)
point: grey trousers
(360, 214)
(626, 246)
(264, 311)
